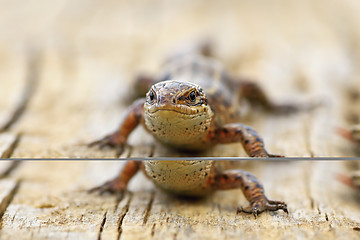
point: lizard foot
(263, 205)
(113, 186)
(111, 140)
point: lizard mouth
(178, 108)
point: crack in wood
(153, 230)
(148, 208)
(7, 200)
(31, 82)
(356, 229)
(331, 228)
(326, 217)
(307, 185)
(122, 216)
(14, 164)
(7, 153)
(311, 202)
(102, 226)
(13, 218)
(319, 211)
(307, 135)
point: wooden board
(69, 66)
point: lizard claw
(111, 140)
(114, 186)
(105, 141)
(260, 206)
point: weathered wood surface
(81, 57)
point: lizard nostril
(174, 101)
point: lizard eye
(151, 96)
(192, 96)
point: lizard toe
(113, 186)
(261, 206)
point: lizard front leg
(133, 117)
(248, 137)
(251, 188)
(119, 184)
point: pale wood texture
(76, 61)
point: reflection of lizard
(194, 105)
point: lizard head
(177, 112)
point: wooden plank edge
(8, 189)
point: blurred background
(302, 36)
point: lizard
(193, 104)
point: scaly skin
(193, 105)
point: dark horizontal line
(191, 158)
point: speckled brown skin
(196, 109)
